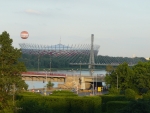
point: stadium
(58, 49)
(74, 54)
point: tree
(142, 77)
(121, 76)
(50, 85)
(10, 70)
(136, 78)
(109, 69)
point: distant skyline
(120, 27)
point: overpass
(42, 76)
(69, 81)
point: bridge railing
(43, 73)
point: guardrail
(43, 74)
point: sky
(120, 27)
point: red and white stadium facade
(58, 49)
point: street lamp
(96, 84)
(46, 82)
(72, 72)
(38, 62)
(50, 64)
(80, 67)
(93, 81)
(77, 82)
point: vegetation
(126, 83)
(50, 85)
(10, 72)
(136, 78)
(130, 94)
(58, 104)
(119, 99)
(113, 106)
(136, 106)
(108, 98)
(63, 62)
(63, 93)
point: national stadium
(72, 53)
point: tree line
(32, 61)
(124, 77)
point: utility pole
(38, 62)
(46, 82)
(93, 81)
(46, 85)
(80, 69)
(50, 64)
(96, 85)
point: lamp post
(96, 84)
(93, 81)
(50, 64)
(77, 82)
(72, 72)
(38, 62)
(45, 82)
(80, 68)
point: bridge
(61, 55)
(103, 64)
(42, 76)
(69, 81)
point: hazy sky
(120, 27)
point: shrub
(130, 94)
(107, 98)
(146, 96)
(63, 93)
(114, 91)
(113, 106)
(80, 105)
(51, 104)
(27, 94)
(136, 106)
(42, 105)
(97, 106)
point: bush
(80, 105)
(27, 94)
(42, 105)
(107, 98)
(146, 96)
(51, 104)
(114, 91)
(136, 106)
(130, 94)
(97, 106)
(63, 93)
(113, 106)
